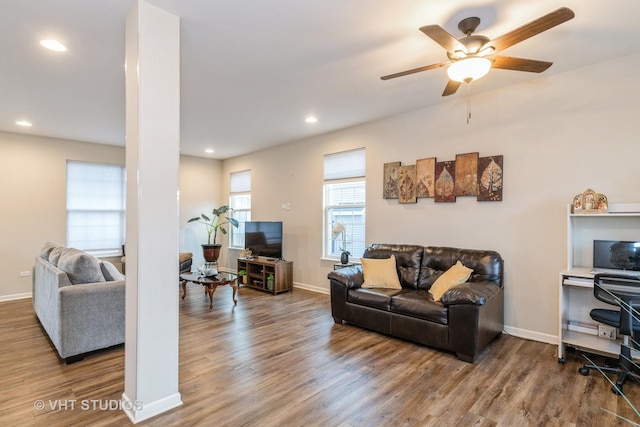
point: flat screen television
(264, 238)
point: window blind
(346, 164)
(95, 207)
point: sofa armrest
(349, 277)
(474, 293)
(91, 316)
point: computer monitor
(616, 254)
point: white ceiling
(252, 70)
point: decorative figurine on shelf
(246, 253)
(590, 202)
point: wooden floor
(281, 361)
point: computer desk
(575, 302)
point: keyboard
(630, 273)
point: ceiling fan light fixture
(468, 69)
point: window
(344, 202)
(96, 207)
(240, 202)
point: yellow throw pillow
(454, 276)
(380, 273)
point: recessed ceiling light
(24, 123)
(53, 45)
(311, 119)
(209, 150)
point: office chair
(623, 291)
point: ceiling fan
(471, 56)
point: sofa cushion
(184, 256)
(455, 275)
(476, 293)
(486, 265)
(380, 273)
(46, 250)
(80, 267)
(420, 304)
(408, 260)
(376, 298)
(110, 272)
(55, 254)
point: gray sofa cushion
(46, 250)
(55, 254)
(80, 267)
(110, 272)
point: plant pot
(344, 258)
(211, 253)
(270, 285)
(245, 279)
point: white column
(152, 159)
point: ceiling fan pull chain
(468, 111)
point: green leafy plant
(270, 277)
(219, 218)
(242, 273)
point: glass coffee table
(210, 283)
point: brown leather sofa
(468, 317)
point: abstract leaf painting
(407, 184)
(490, 179)
(425, 177)
(467, 174)
(445, 182)
(390, 184)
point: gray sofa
(79, 300)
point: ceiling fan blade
(451, 88)
(443, 38)
(537, 26)
(520, 64)
(414, 70)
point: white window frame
(344, 169)
(239, 188)
(88, 212)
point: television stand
(258, 270)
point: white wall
(559, 135)
(33, 195)
(200, 192)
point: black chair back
(623, 291)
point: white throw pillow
(380, 273)
(455, 275)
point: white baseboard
(138, 412)
(15, 297)
(311, 288)
(516, 332)
(531, 335)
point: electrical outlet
(25, 273)
(606, 331)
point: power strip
(606, 331)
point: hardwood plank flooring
(281, 361)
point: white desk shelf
(576, 282)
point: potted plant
(243, 274)
(270, 279)
(214, 222)
(339, 229)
